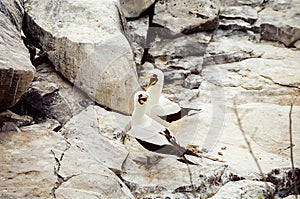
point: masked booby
(160, 108)
(152, 135)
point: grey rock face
(46, 165)
(16, 70)
(187, 16)
(51, 96)
(133, 8)
(86, 131)
(244, 189)
(85, 42)
(280, 23)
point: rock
(159, 179)
(31, 175)
(229, 49)
(234, 24)
(51, 96)
(297, 44)
(16, 70)
(83, 176)
(175, 77)
(91, 51)
(89, 132)
(181, 52)
(192, 81)
(13, 11)
(241, 2)
(246, 13)
(46, 165)
(272, 120)
(9, 116)
(215, 128)
(257, 74)
(187, 16)
(283, 180)
(138, 34)
(244, 189)
(134, 8)
(280, 25)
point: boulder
(134, 8)
(187, 16)
(280, 23)
(251, 72)
(86, 43)
(46, 165)
(90, 132)
(183, 52)
(51, 96)
(16, 70)
(245, 189)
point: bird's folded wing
(168, 107)
(150, 132)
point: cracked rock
(89, 131)
(86, 43)
(187, 16)
(16, 70)
(285, 27)
(245, 189)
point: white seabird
(160, 108)
(152, 135)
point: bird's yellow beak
(151, 83)
(150, 76)
(143, 99)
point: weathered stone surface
(246, 13)
(183, 52)
(192, 81)
(186, 16)
(215, 129)
(85, 177)
(13, 10)
(284, 181)
(133, 8)
(88, 132)
(46, 165)
(10, 121)
(51, 96)
(285, 27)
(138, 35)
(244, 189)
(159, 179)
(229, 49)
(258, 72)
(241, 2)
(27, 163)
(16, 71)
(85, 42)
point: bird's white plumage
(158, 105)
(145, 128)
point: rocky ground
(69, 70)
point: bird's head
(141, 98)
(156, 77)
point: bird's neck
(154, 93)
(138, 115)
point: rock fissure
(280, 84)
(60, 179)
